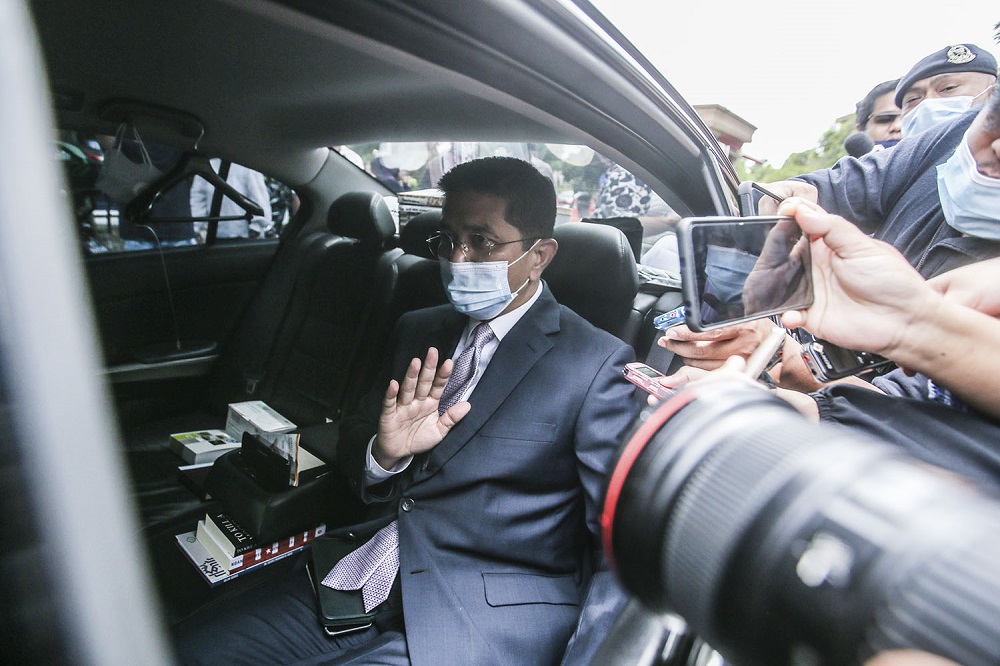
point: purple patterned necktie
(465, 367)
(373, 566)
(370, 568)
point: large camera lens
(784, 542)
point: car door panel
(209, 287)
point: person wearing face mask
(944, 85)
(878, 116)
(945, 328)
(893, 195)
(485, 469)
(969, 182)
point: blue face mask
(479, 289)
(934, 111)
(970, 201)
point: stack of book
(415, 202)
(222, 550)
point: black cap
(956, 58)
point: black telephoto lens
(781, 541)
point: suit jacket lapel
(518, 352)
(445, 335)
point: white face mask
(479, 289)
(121, 178)
(970, 201)
(934, 111)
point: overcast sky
(792, 67)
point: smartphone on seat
(736, 269)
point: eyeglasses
(476, 248)
(885, 118)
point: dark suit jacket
(498, 523)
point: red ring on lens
(630, 453)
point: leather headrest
(361, 215)
(594, 274)
(630, 226)
(414, 234)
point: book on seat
(202, 446)
(255, 556)
(216, 566)
(256, 417)
(340, 611)
(210, 569)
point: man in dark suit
(496, 497)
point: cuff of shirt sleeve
(375, 472)
(824, 406)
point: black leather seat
(310, 368)
(420, 274)
(594, 274)
(294, 347)
(630, 226)
(408, 279)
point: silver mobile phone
(736, 269)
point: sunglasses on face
(884, 118)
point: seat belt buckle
(252, 382)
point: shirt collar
(501, 325)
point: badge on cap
(960, 54)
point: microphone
(858, 144)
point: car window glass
(105, 173)
(588, 186)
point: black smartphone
(828, 362)
(755, 199)
(735, 269)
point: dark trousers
(278, 623)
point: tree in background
(829, 149)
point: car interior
(299, 310)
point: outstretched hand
(866, 294)
(409, 423)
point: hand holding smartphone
(827, 361)
(758, 360)
(736, 269)
(755, 199)
(672, 318)
(646, 378)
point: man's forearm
(956, 347)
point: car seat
(594, 274)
